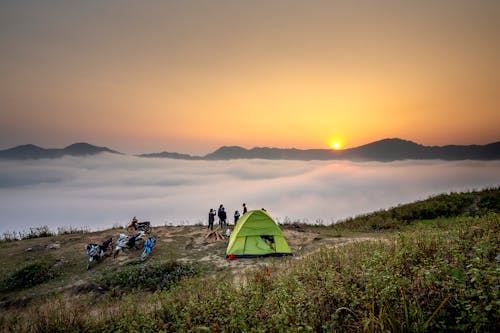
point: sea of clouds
(105, 190)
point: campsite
(425, 266)
(250, 166)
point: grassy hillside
(474, 203)
(436, 273)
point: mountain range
(382, 150)
(28, 152)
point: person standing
(223, 217)
(219, 214)
(236, 217)
(244, 208)
(211, 218)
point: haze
(190, 76)
(106, 190)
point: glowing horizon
(192, 76)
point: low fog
(105, 190)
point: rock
(54, 246)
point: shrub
(29, 276)
(151, 276)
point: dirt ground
(188, 244)
(303, 240)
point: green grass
(28, 276)
(438, 277)
(148, 276)
(474, 203)
(430, 275)
(40, 232)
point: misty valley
(104, 190)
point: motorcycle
(141, 226)
(148, 247)
(95, 252)
(126, 242)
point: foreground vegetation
(434, 274)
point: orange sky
(190, 76)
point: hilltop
(419, 266)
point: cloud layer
(101, 191)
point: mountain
(82, 148)
(236, 152)
(27, 152)
(175, 156)
(383, 150)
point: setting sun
(336, 145)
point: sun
(336, 145)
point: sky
(191, 76)
(106, 190)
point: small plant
(37, 232)
(72, 230)
(9, 237)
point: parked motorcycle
(148, 247)
(136, 225)
(126, 242)
(95, 252)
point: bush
(29, 276)
(151, 276)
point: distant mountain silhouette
(383, 150)
(26, 152)
(236, 152)
(175, 156)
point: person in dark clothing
(223, 218)
(211, 218)
(236, 217)
(244, 208)
(219, 214)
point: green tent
(256, 235)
